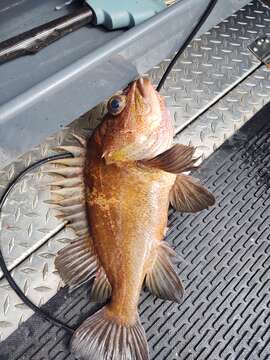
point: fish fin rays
(77, 263)
(101, 289)
(101, 338)
(163, 281)
(177, 159)
(67, 186)
(188, 195)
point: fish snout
(144, 86)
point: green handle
(116, 14)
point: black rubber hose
(193, 33)
(3, 265)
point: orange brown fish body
(130, 174)
(128, 218)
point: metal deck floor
(225, 313)
(230, 87)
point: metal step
(42, 93)
(225, 263)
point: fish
(115, 194)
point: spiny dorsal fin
(101, 289)
(176, 160)
(77, 263)
(74, 150)
(81, 139)
(162, 280)
(67, 185)
(187, 195)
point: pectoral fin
(187, 195)
(162, 280)
(176, 160)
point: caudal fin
(100, 338)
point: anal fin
(162, 280)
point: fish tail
(102, 338)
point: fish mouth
(140, 85)
(143, 86)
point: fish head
(138, 124)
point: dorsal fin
(67, 186)
(101, 289)
(77, 263)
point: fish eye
(116, 104)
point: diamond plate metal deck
(22, 90)
(27, 221)
(213, 64)
(211, 129)
(225, 268)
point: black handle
(31, 41)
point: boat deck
(218, 94)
